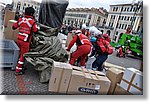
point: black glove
(14, 28)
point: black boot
(19, 73)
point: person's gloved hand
(67, 49)
(14, 28)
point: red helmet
(105, 35)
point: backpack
(105, 46)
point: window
(112, 24)
(122, 8)
(119, 26)
(124, 17)
(125, 9)
(109, 24)
(131, 9)
(128, 9)
(125, 27)
(122, 26)
(138, 29)
(111, 16)
(114, 17)
(131, 18)
(90, 16)
(134, 9)
(119, 17)
(128, 18)
(114, 9)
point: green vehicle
(134, 43)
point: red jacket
(106, 37)
(79, 39)
(26, 26)
(85, 32)
(104, 46)
(128, 31)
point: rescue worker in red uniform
(84, 31)
(83, 48)
(128, 30)
(27, 26)
(99, 51)
(121, 52)
(106, 37)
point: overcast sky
(89, 3)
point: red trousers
(82, 52)
(120, 51)
(24, 48)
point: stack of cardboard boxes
(9, 33)
(69, 79)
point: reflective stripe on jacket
(84, 39)
(25, 24)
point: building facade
(20, 5)
(90, 17)
(122, 16)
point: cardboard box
(69, 38)
(83, 82)
(115, 75)
(120, 91)
(9, 33)
(60, 77)
(132, 81)
(80, 69)
(9, 15)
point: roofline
(123, 4)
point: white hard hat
(78, 31)
(83, 26)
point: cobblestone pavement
(27, 84)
